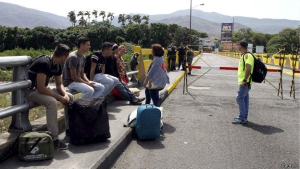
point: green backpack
(35, 146)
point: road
(198, 132)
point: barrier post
(19, 122)
(294, 61)
(281, 63)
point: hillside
(14, 15)
(210, 22)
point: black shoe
(183, 69)
(67, 132)
(189, 73)
(60, 145)
(137, 101)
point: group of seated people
(106, 72)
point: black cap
(244, 44)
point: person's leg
(155, 97)
(247, 103)
(241, 95)
(169, 62)
(173, 64)
(50, 103)
(148, 97)
(124, 91)
(180, 61)
(87, 90)
(66, 107)
(98, 90)
(106, 82)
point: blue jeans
(124, 91)
(88, 91)
(154, 95)
(242, 99)
(108, 81)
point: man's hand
(64, 99)
(92, 84)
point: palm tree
(102, 13)
(95, 13)
(88, 14)
(122, 19)
(72, 17)
(129, 18)
(137, 18)
(146, 18)
(111, 16)
(81, 20)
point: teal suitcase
(148, 122)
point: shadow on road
(264, 129)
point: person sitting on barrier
(157, 77)
(121, 64)
(97, 69)
(39, 72)
(189, 56)
(73, 73)
(172, 56)
(245, 70)
(181, 52)
(122, 88)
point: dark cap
(115, 46)
(244, 44)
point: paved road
(198, 132)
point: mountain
(270, 26)
(210, 22)
(14, 15)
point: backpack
(259, 71)
(32, 74)
(87, 66)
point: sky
(274, 9)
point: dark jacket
(111, 66)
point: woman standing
(156, 78)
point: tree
(95, 13)
(146, 19)
(102, 13)
(88, 14)
(72, 17)
(243, 34)
(287, 38)
(110, 16)
(137, 18)
(82, 21)
(129, 19)
(121, 19)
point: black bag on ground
(88, 121)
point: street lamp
(190, 40)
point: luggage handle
(149, 105)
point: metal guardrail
(20, 107)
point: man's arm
(75, 78)
(41, 79)
(92, 71)
(61, 89)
